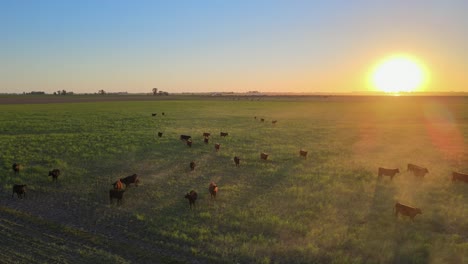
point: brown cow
(457, 176)
(263, 120)
(16, 167)
(192, 165)
(213, 189)
(185, 137)
(406, 210)
(116, 194)
(20, 190)
(206, 134)
(274, 121)
(303, 153)
(224, 134)
(388, 172)
(192, 197)
(263, 156)
(217, 145)
(417, 170)
(54, 173)
(236, 161)
(130, 179)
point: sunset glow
(398, 74)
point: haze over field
(205, 46)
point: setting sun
(398, 74)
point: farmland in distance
(328, 208)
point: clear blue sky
(194, 46)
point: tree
(155, 91)
(102, 92)
(64, 92)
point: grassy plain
(328, 208)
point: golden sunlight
(399, 73)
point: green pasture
(328, 208)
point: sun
(398, 73)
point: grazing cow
(262, 120)
(388, 172)
(16, 167)
(118, 185)
(263, 156)
(457, 176)
(417, 170)
(163, 113)
(303, 153)
(274, 121)
(153, 114)
(406, 210)
(185, 137)
(54, 173)
(116, 194)
(236, 161)
(130, 179)
(192, 197)
(189, 143)
(206, 134)
(192, 165)
(20, 190)
(217, 145)
(213, 189)
(206, 140)
(160, 134)
(223, 134)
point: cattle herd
(118, 189)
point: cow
(255, 117)
(388, 172)
(213, 189)
(457, 176)
(406, 210)
(189, 143)
(163, 113)
(185, 137)
(262, 120)
(20, 190)
(263, 156)
(192, 197)
(116, 194)
(160, 134)
(417, 170)
(16, 167)
(54, 173)
(236, 161)
(153, 114)
(217, 145)
(130, 179)
(303, 153)
(274, 121)
(224, 134)
(206, 139)
(192, 165)
(206, 134)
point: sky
(226, 46)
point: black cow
(213, 189)
(417, 170)
(236, 161)
(388, 172)
(303, 153)
(163, 113)
(116, 194)
(192, 197)
(192, 165)
(224, 134)
(20, 190)
(160, 134)
(185, 137)
(130, 179)
(153, 114)
(206, 140)
(16, 167)
(54, 173)
(457, 176)
(406, 210)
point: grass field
(328, 208)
